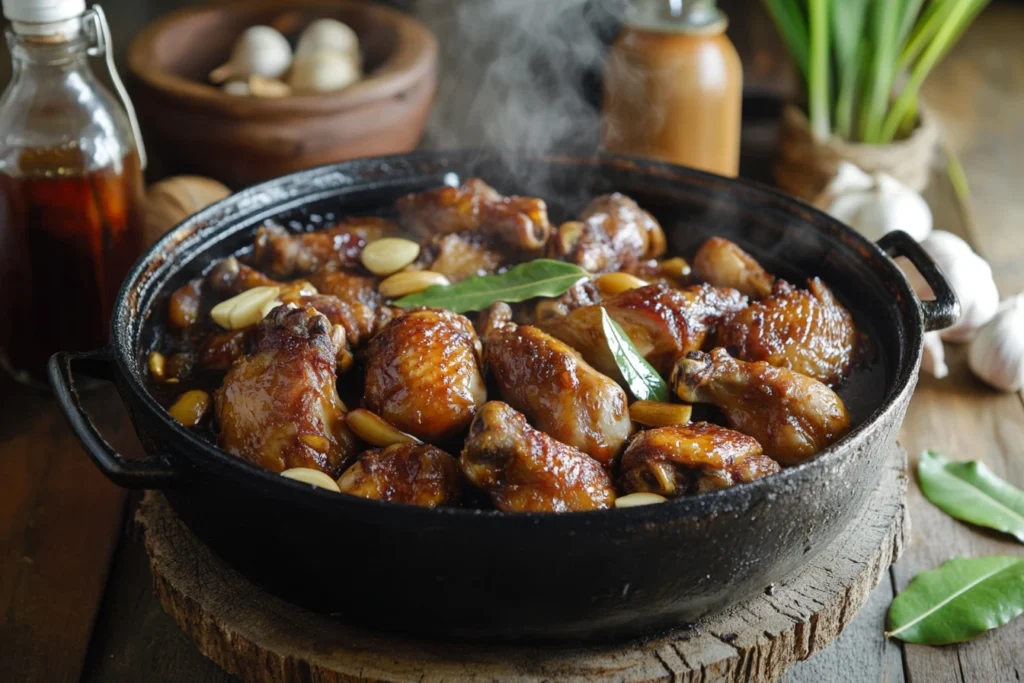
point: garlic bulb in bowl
(997, 353)
(875, 205)
(971, 278)
(327, 35)
(324, 72)
(259, 51)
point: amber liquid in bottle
(67, 239)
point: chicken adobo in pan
(319, 356)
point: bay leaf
(643, 380)
(960, 600)
(973, 493)
(540, 277)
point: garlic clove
(260, 86)
(236, 88)
(934, 359)
(259, 51)
(324, 72)
(971, 278)
(327, 35)
(996, 354)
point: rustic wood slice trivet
(264, 639)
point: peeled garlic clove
(934, 359)
(324, 72)
(997, 353)
(260, 86)
(971, 278)
(245, 309)
(259, 51)
(327, 35)
(236, 88)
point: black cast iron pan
(484, 575)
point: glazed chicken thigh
(724, 264)
(557, 390)
(415, 474)
(525, 470)
(806, 330)
(692, 458)
(663, 323)
(279, 407)
(423, 374)
(791, 415)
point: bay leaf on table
(643, 380)
(540, 277)
(963, 598)
(971, 492)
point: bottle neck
(61, 46)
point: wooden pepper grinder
(673, 87)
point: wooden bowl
(193, 127)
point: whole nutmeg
(171, 201)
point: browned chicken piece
(284, 254)
(692, 458)
(279, 407)
(806, 330)
(229, 277)
(724, 264)
(791, 415)
(558, 391)
(423, 374)
(350, 300)
(414, 474)
(517, 223)
(612, 233)
(458, 255)
(582, 294)
(220, 348)
(663, 323)
(525, 470)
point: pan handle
(944, 310)
(151, 472)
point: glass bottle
(70, 186)
(673, 87)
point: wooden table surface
(76, 602)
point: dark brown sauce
(66, 242)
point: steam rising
(519, 75)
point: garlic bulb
(259, 51)
(970, 276)
(875, 205)
(327, 35)
(997, 353)
(324, 72)
(171, 201)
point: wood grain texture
(59, 522)
(263, 639)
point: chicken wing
(663, 323)
(518, 223)
(692, 458)
(805, 330)
(612, 233)
(724, 264)
(423, 374)
(525, 470)
(279, 407)
(558, 391)
(415, 474)
(283, 254)
(791, 415)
